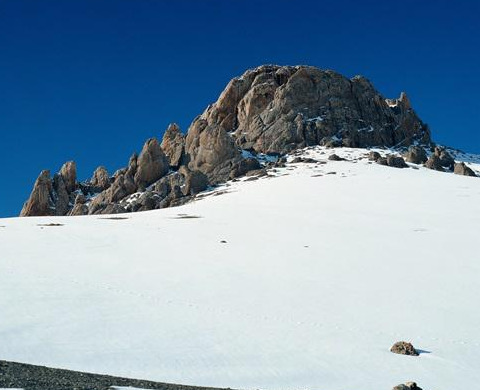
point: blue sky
(90, 80)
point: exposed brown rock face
(61, 195)
(274, 109)
(462, 169)
(152, 164)
(211, 150)
(40, 201)
(173, 144)
(100, 179)
(68, 172)
(79, 208)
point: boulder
(151, 165)
(462, 169)
(243, 166)
(334, 157)
(445, 159)
(40, 201)
(396, 162)
(173, 145)
(407, 386)
(416, 155)
(374, 156)
(404, 348)
(195, 181)
(382, 161)
(435, 163)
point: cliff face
(270, 109)
(273, 109)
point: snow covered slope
(303, 280)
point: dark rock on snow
(374, 156)
(392, 161)
(334, 157)
(407, 386)
(404, 348)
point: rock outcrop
(211, 150)
(151, 164)
(275, 109)
(100, 180)
(269, 110)
(40, 201)
(173, 144)
(68, 173)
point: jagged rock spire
(152, 164)
(173, 144)
(40, 201)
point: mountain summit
(270, 110)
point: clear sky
(91, 80)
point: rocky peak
(40, 201)
(173, 144)
(68, 172)
(276, 109)
(270, 109)
(100, 179)
(152, 164)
